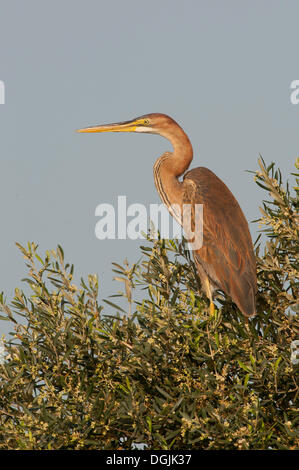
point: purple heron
(226, 259)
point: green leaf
(114, 305)
(245, 367)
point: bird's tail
(244, 297)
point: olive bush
(161, 372)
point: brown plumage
(226, 258)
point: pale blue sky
(222, 69)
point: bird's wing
(226, 254)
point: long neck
(170, 166)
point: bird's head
(154, 123)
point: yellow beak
(126, 126)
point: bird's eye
(146, 121)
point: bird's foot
(212, 309)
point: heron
(225, 261)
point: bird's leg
(212, 308)
(207, 287)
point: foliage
(166, 373)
